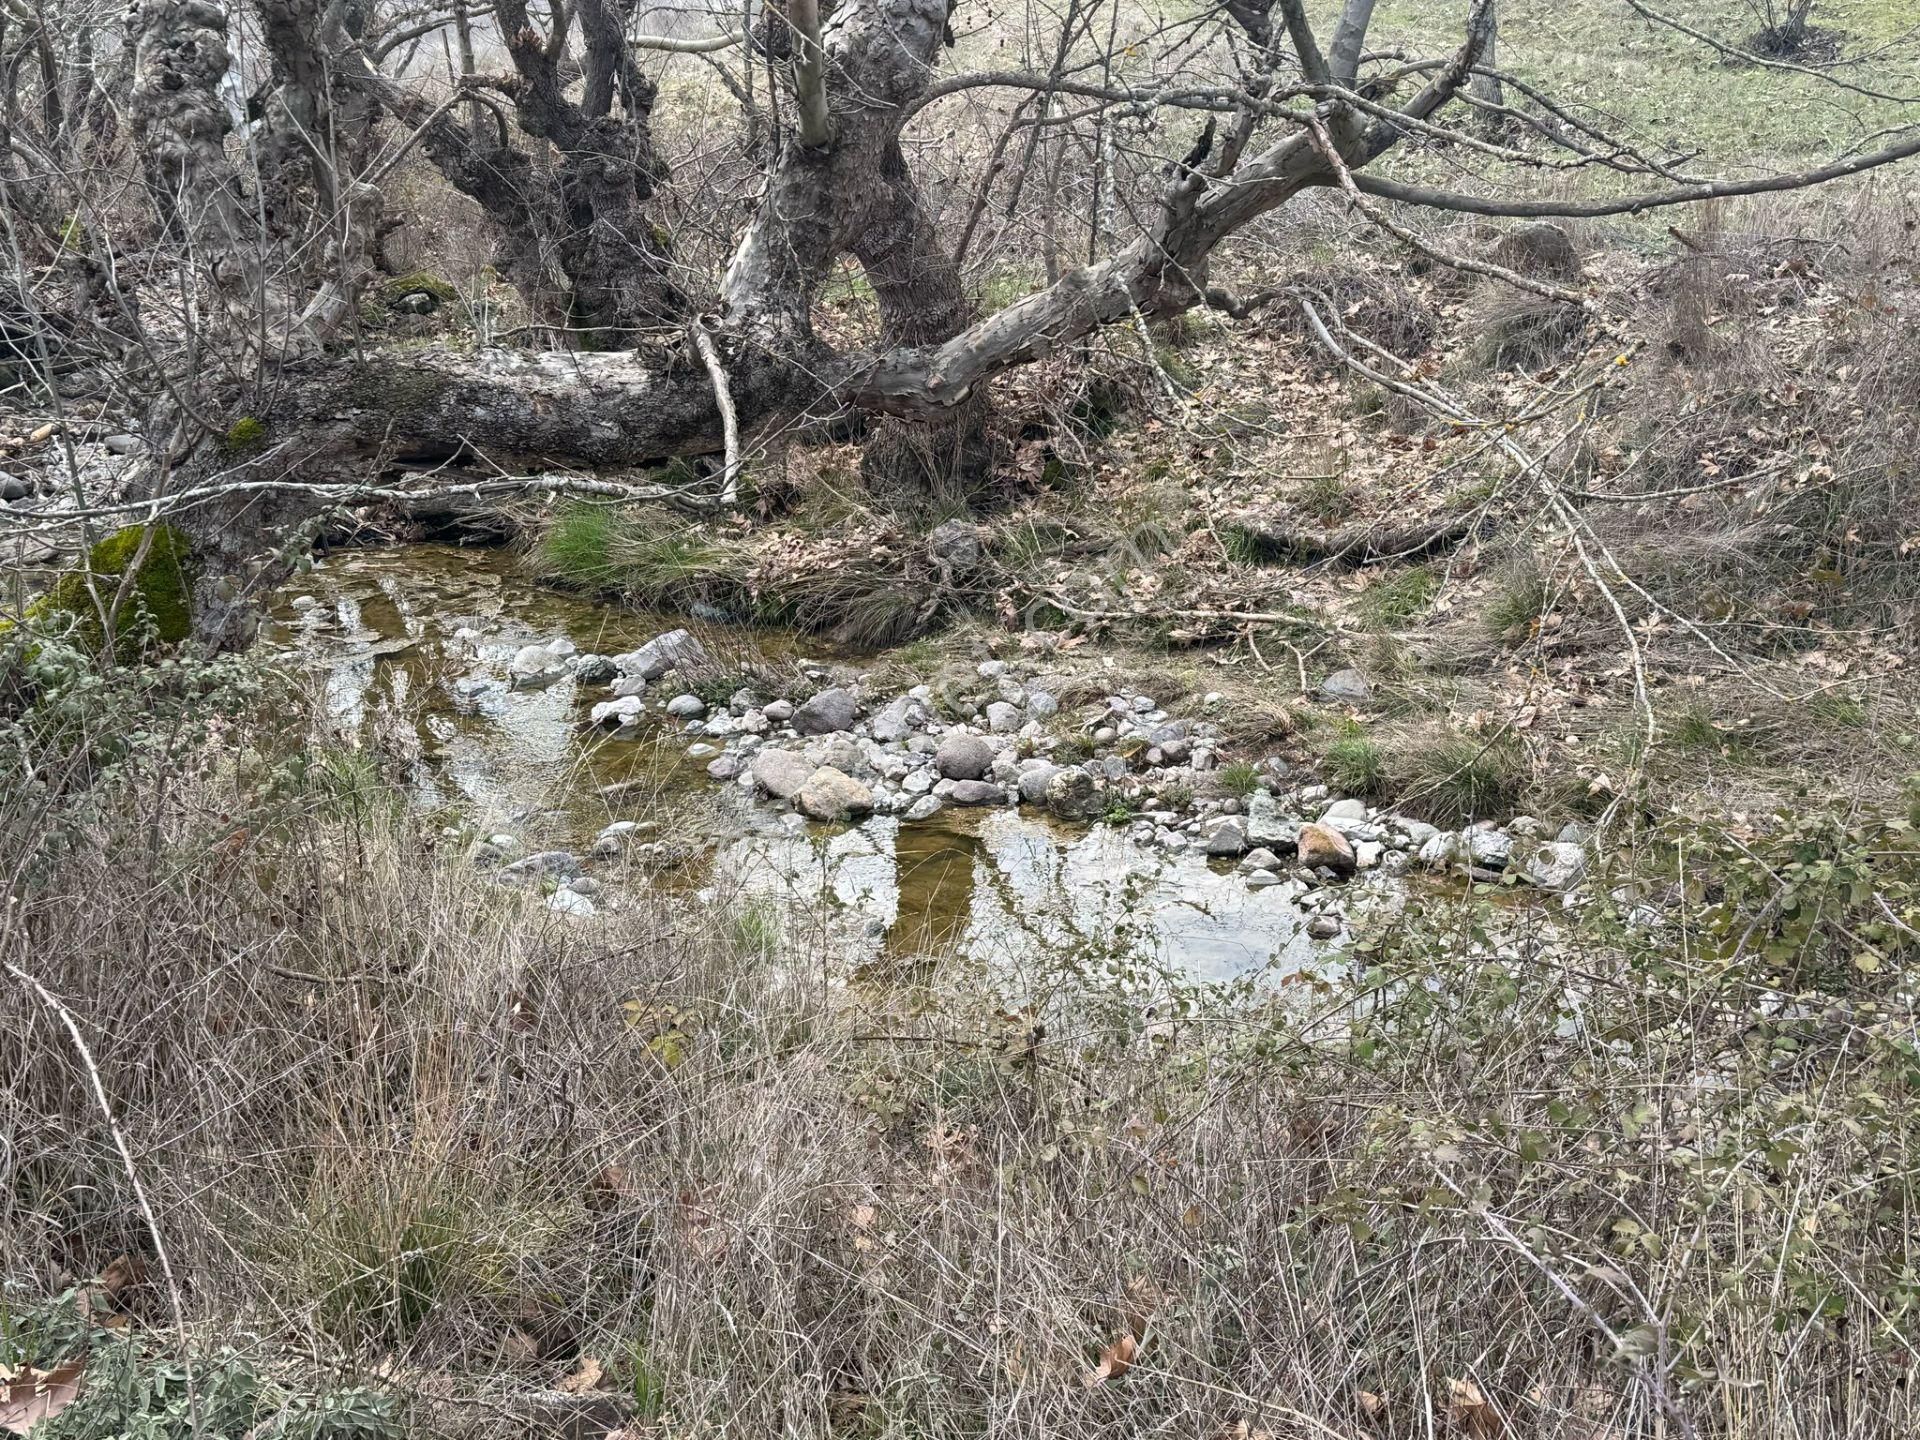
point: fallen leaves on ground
(35, 1395)
(1470, 1412)
(586, 1376)
(1115, 1361)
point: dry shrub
(395, 1119)
(1376, 304)
(1793, 418)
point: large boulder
(781, 773)
(675, 650)
(831, 794)
(827, 712)
(1322, 847)
(963, 757)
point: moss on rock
(417, 282)
(245, 436)
(158, 607)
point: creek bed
(414, 644)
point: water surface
(413, 645)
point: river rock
(1042, 704)
(842, 752)
(571, 903)
(1489, 849)
(778, 711)
(1324, 927)
(1269, 825)
(899, 719)
(828, 711)
(724, 767)
(1228, 837)
(955, 544)
(1002, 718)
(686, 707)
(595, 669)
(831, 794)
(1342, 811)
(675, 650)
(781, 773)
(562, 864)
(1439, 850)
(925, 808)
(623, 711)
(534, 665)
(1071, 795)
(1417, 832)
(1260, 859)
(1555, 865)
(918, 782)
(962, 756)
(1322, 847)
(1348, 685)
(977, 792)
(1035, 776)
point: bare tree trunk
(937, 465)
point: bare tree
(643, 359)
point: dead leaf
(587, 1376)
(1372, 1407)
(39, 1395)
(517, 1347)
(123, 1273)
(1470, 1412)
(1115, 1361)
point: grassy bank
(422, 1156)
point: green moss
(159, 606)
(417, 282)
(246, 436)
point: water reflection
(416, 643)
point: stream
(413, 645)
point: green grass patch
(1239, 778)
(1356, 763)
(1455, 778)
(1391, 602)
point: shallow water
(996, 886)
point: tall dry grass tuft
(1640, 1171)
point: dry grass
(397, 1121)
